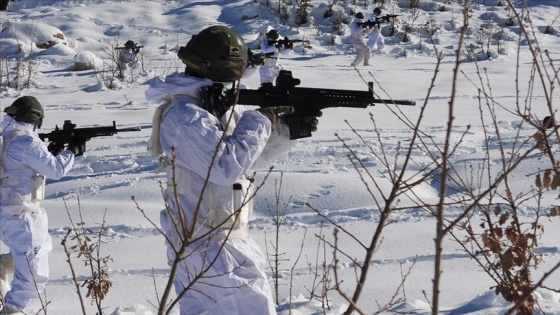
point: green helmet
(272, 34)
(129, 44)
(216, 53)
(27, 109)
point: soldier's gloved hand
(77, 146)
(312, 120)
(287, 43)
(258, 60)
(272, 113)
(55, 148)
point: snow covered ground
(317, 171)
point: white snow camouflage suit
(375, 37)
(236, 282)
(358, 37)
(128, 60)
(23, 223)
(270, 70)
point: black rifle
(69, 132)
(383, 19)
(286, 42)
(389, 17)
(117, 48)
(306, 101)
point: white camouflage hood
(176, 84)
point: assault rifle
(133, 48)
(306, 101)
(286, 42)
(388, 17)
(69, 132)
(383, 19)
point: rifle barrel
(396, 102)
(129, 129)
(289, 40)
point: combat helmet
(216, 53)
(272, 34)
(129, 44)
(26, 109)
(377, 11)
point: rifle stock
(308, 101)
(69, 132)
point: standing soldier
(272, 50)
(208, 146)
(25, 162)
(357, 36)
(375, 38)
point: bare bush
(88, 248)
(488, 224)
(277, 212)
